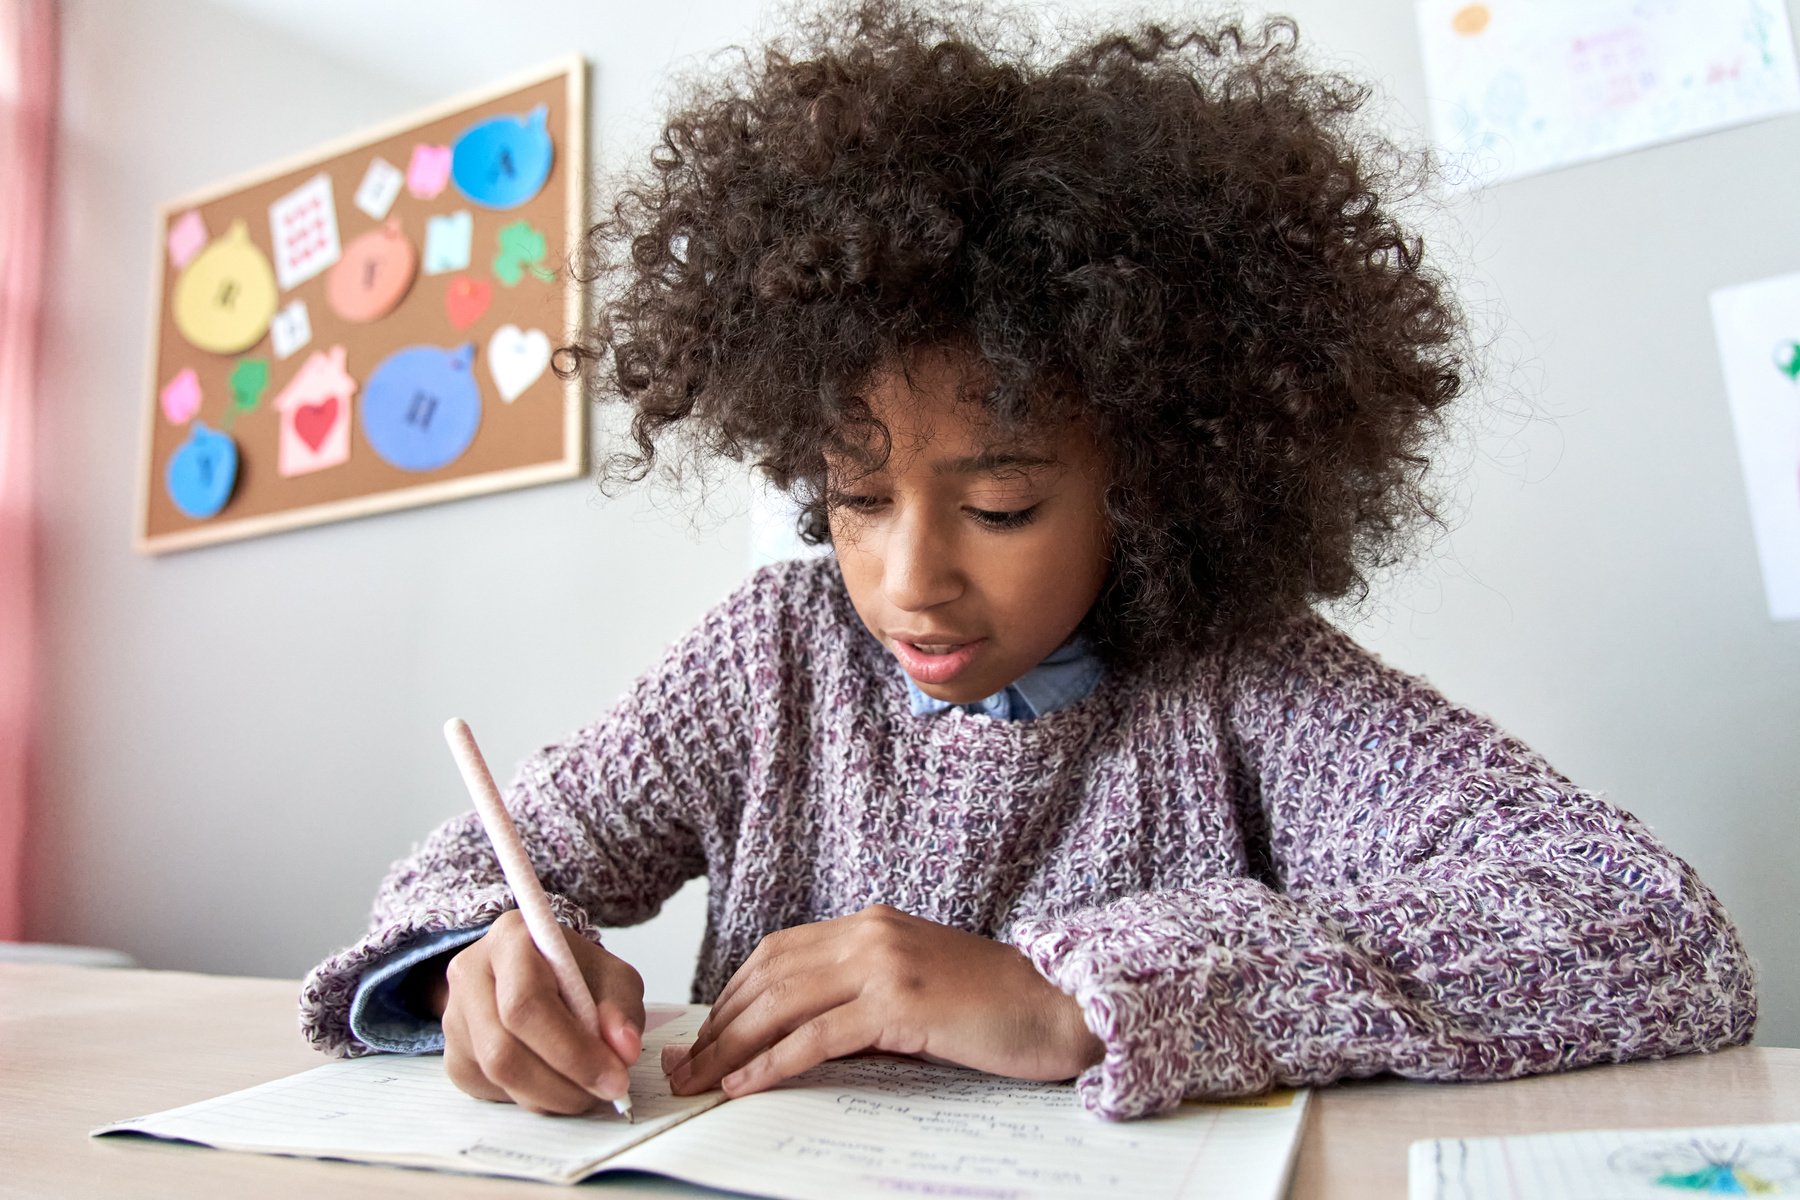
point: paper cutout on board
(291, 329)
(1516, 88)
(429, 171)
(181, 397)
(202, 472)
(421, 407)
(248, 380)
(379, 188)
(504, 161)
(224, 300)
(373, 276)
(315, 415)
(516, 358)
(466, 299)
(303, 225)
(1757, 326)
(186, 238)
(447, 241)
(522, 248)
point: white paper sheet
(1521, 86)
(405, 1110)
(877, 1126)
(851, 1128)
(1758, 331)
(1610, 1164)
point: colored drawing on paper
(522, 249)
(202, 472)
(291, 329)
(304, 230)
(1732, 1166)
(315, 415)
(1757, 326)
(1515, 88)
(447, 241)
(373, 276)
(429, 171)
(466, 299)
(181, 397)
(224, 300)
(421, 406)
(503, 162)
(187, 236)
(516, 358)
(379, 188)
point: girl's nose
(919, 568)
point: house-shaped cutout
(315, 414)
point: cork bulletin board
(369, 326)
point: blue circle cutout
(420, 408)
(503, 162)
(202, 472)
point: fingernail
(673, 1057)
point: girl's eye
(859, 503)
(1004, 520)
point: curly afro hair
(1175, 233)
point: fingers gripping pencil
(534, 905)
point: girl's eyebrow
(992, 461)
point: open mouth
(936, 662)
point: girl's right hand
(509, 1036)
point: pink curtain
(28, 60)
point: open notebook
(1610, 1164)
(846, 1128)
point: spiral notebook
(847, 1128)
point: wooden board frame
(572, 151)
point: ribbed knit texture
(1278, 864)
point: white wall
(238, 740)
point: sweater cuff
(1169, 1007)
(380, 1020)
(329, 992)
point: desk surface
(84, 1046)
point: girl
(1095, 371)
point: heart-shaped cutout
(313, 422)
(516, 357)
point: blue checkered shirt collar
(1066, 675)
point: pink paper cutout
(429, 172)
(186, 238)
(181, 397)
(315, 415)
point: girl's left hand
(882, 980)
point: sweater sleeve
(616, 818)
(1439, 903)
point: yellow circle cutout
(226, 297)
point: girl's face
(969, 559)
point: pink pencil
(534, 905)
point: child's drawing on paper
(1695, 1163)
(1517, 87)
(1758, 331)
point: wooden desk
(80, 1047)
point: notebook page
(865, 1126)
(1609, 1164)
(405, 1110)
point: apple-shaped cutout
(421, 407)
(202, 472)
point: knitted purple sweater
(1271, 865)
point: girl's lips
(936, 668)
